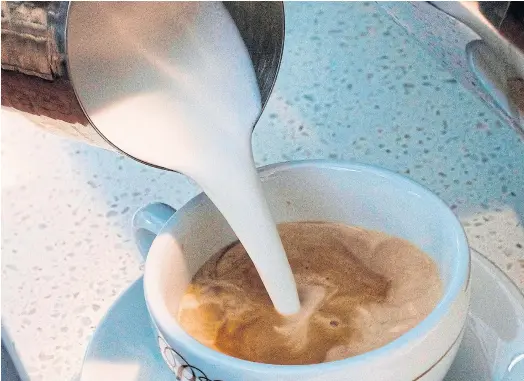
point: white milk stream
(195, 117)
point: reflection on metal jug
(480, 42)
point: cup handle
(147, 223)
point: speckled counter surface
(352, 86)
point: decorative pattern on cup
(179, 366)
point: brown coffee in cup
(359, 289)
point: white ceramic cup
(177, 244)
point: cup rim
(459, 280)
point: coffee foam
(359, 290)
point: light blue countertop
(352, 86)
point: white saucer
(124, 346)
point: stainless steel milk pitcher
(37, 36)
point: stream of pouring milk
(195, 117)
